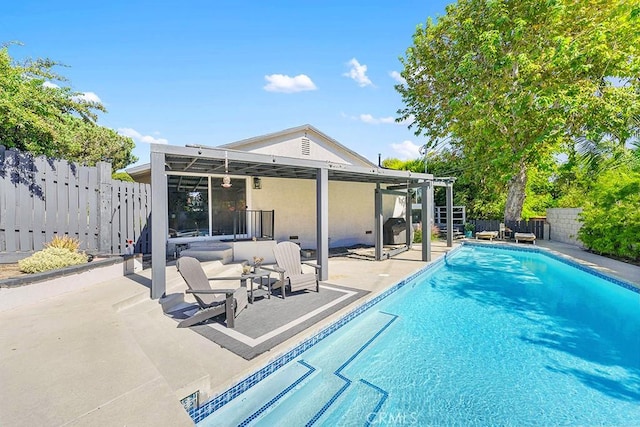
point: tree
(47, 119)
(512, 83)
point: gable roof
(244, 144)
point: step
(261, 398)
(328, 387)
(360, 404)
(290, 411)
(317, 378)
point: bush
(51, 258)
(417, 236)
(64, 242)
(611, 219)
(435, 232)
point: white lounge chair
(289, 267)
(487, 235)
(525, 237)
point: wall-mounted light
(257, 183)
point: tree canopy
(512, 83)
(45, 118)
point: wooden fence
(42, 197)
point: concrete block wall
(564, 225)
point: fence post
(105, 209)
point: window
(225, 205)
(191, 213)
(188, 206)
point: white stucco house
(293, 201)
(298, 184)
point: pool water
(490, 336)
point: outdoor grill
(394, 231)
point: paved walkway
(107, 355)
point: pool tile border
(217, 402)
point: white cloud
(285, 84)
(397, 77)
(83, 97)
(138, 137)
(358, 72)
(368, 118)
(87, 97)
(406, 150)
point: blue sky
(214, 72)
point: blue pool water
(492, 336)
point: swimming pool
(489, 336)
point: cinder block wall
(564, 225)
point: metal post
(322, 224)
(409, 230)
(427, 218)
(159, 226)
(449, 190)
(378, 222)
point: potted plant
(469, 228)
(257, 262)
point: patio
(106, 354)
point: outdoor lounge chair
(211, 301)
(289, 267)
(487, 235)
(525, 237)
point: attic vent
(305, 147)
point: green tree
(52, 120)
(512, 83)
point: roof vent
(305, 147)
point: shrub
(611, 216)
(51, 258)
(417, 236)
(435, 232)
(64, 242)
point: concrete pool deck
(107, 355)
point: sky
(215, 72)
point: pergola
(167, 159)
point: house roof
(202, 160)
(306, 128)
(207, 160)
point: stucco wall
(351, 210)
(564, 225)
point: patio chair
(289, 267)
(211, 301)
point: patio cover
(211, 160)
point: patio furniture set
(214, 302)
